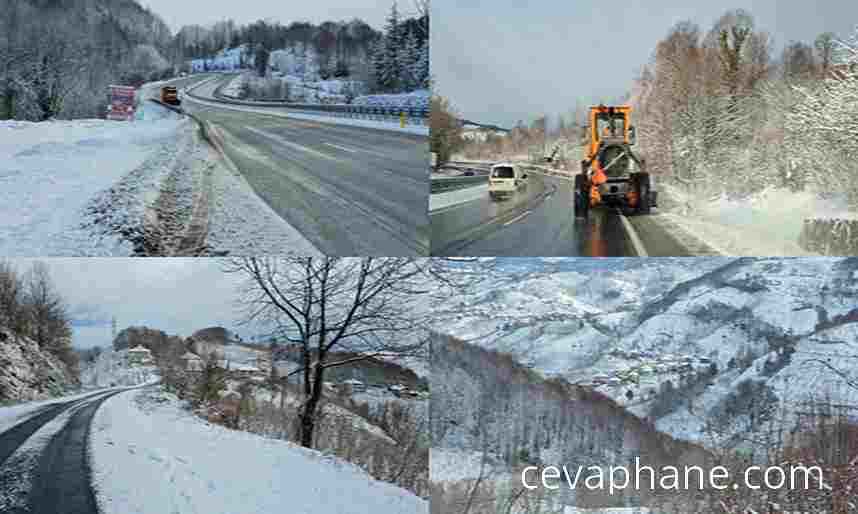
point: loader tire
(643, 190)
(581, 196)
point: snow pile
(768, 223)
(113, 368)
(150, 456)
(415, 100)
(459, 196)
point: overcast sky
(504, 60)
(205, 12)
(178, 296)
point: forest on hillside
(491, 417)
(57, 57)
(721, 111)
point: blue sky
(504, 60)
(178, 296)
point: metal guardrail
(417, 116)
(443, 185)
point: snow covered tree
(824, 123)
(260, 59)
(386, 55)
(408, 57)
(422, 67)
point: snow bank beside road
(49, 172)
(468, 194)
(765, 224)
(150, 456)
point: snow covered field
(50, 171)
(69, 188)
(150, 456)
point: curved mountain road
(348, 190)
(58, 479)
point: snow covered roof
(139, 349)
(190, 356)
(353, 382)
(252, 369)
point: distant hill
(62, 54)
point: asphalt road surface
(61, 473)
(349, 190)
(539, 221)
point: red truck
(121, 103)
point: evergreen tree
(421, 67)
(407, 58)
(386, 58)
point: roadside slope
(150, 456)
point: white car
(506, 179)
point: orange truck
(170, 95)
(611, 173)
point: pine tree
(407, 58)
(386, 57)
(422, 67)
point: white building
(139, 355)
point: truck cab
(170, 95)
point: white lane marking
(517, 218)
(633, 235)
(343, 148)
(290, 144)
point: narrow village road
(57, 478)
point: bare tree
(47, 310)
(359, 308)
(445, 133)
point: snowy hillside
(150, 456)
(680, 345)
(27, 372)
(113, 368)
(557, 315)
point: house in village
(139, 356)
(192, 362)
(352, 386)
(242, 371)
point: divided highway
(538, 221)
(348, 190)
